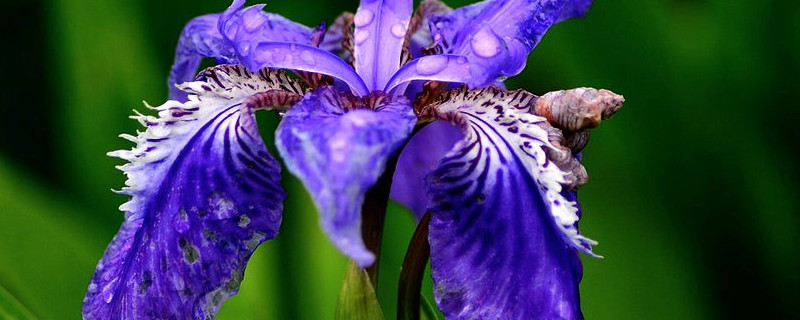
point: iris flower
(383, 98)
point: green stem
(419, 251)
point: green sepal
(357, 299)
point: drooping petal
(200, 39)
(439, 67)
(503, 238)
(339, 150)
(304, 58)
(380, 29)
(419, 157)
(204, 194)
(497, 35)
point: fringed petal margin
(339, 147)
(503, 236)
(204, 194)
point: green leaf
(428, 310)
(48, 247)
(11, 308)
(357, 300)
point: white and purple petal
(497, 35)
(339, 150)
(204, 194)
(380, 30)
(504, 238)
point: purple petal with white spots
(339, 150)
(200, 39)
(419, 157)
(497, 35)
(504, 240)
(380, 29)
(204, 194)
(440, 67)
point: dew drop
(399, 30)
(363, 17)
(361, 36)
(485, 44)
(430, 65)
(243, 48)
(308, 57)
(292, 47)
(252, 19)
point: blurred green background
(693, 194)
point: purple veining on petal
(441, 67)
(497, 35)
(204, 194)
(339, 152)
(420, 156)
(503, 233)
(380, 29)
(304, 58)
(200, 38)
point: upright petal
(244, 28)
(380, 32)
(204, 194)
(339, 149)
(503, 237)
(200, 39)
(498, 35)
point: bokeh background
(693, 194)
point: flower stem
(373, 213)
(419, 251)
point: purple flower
(496, 169)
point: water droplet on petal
(292, 47)
(399, 30)
(252, 19)
(243, 49)
(308, 57)
(363, 17)
(485, 43)
(430, 65)
(361, 36)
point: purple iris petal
(245, 28)
(204, 194)
(503, 237)
(420, 156)
(498, 35)
(199, 39)
(304, 58)
(440, 67)
(339, 151)
(379, 34)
